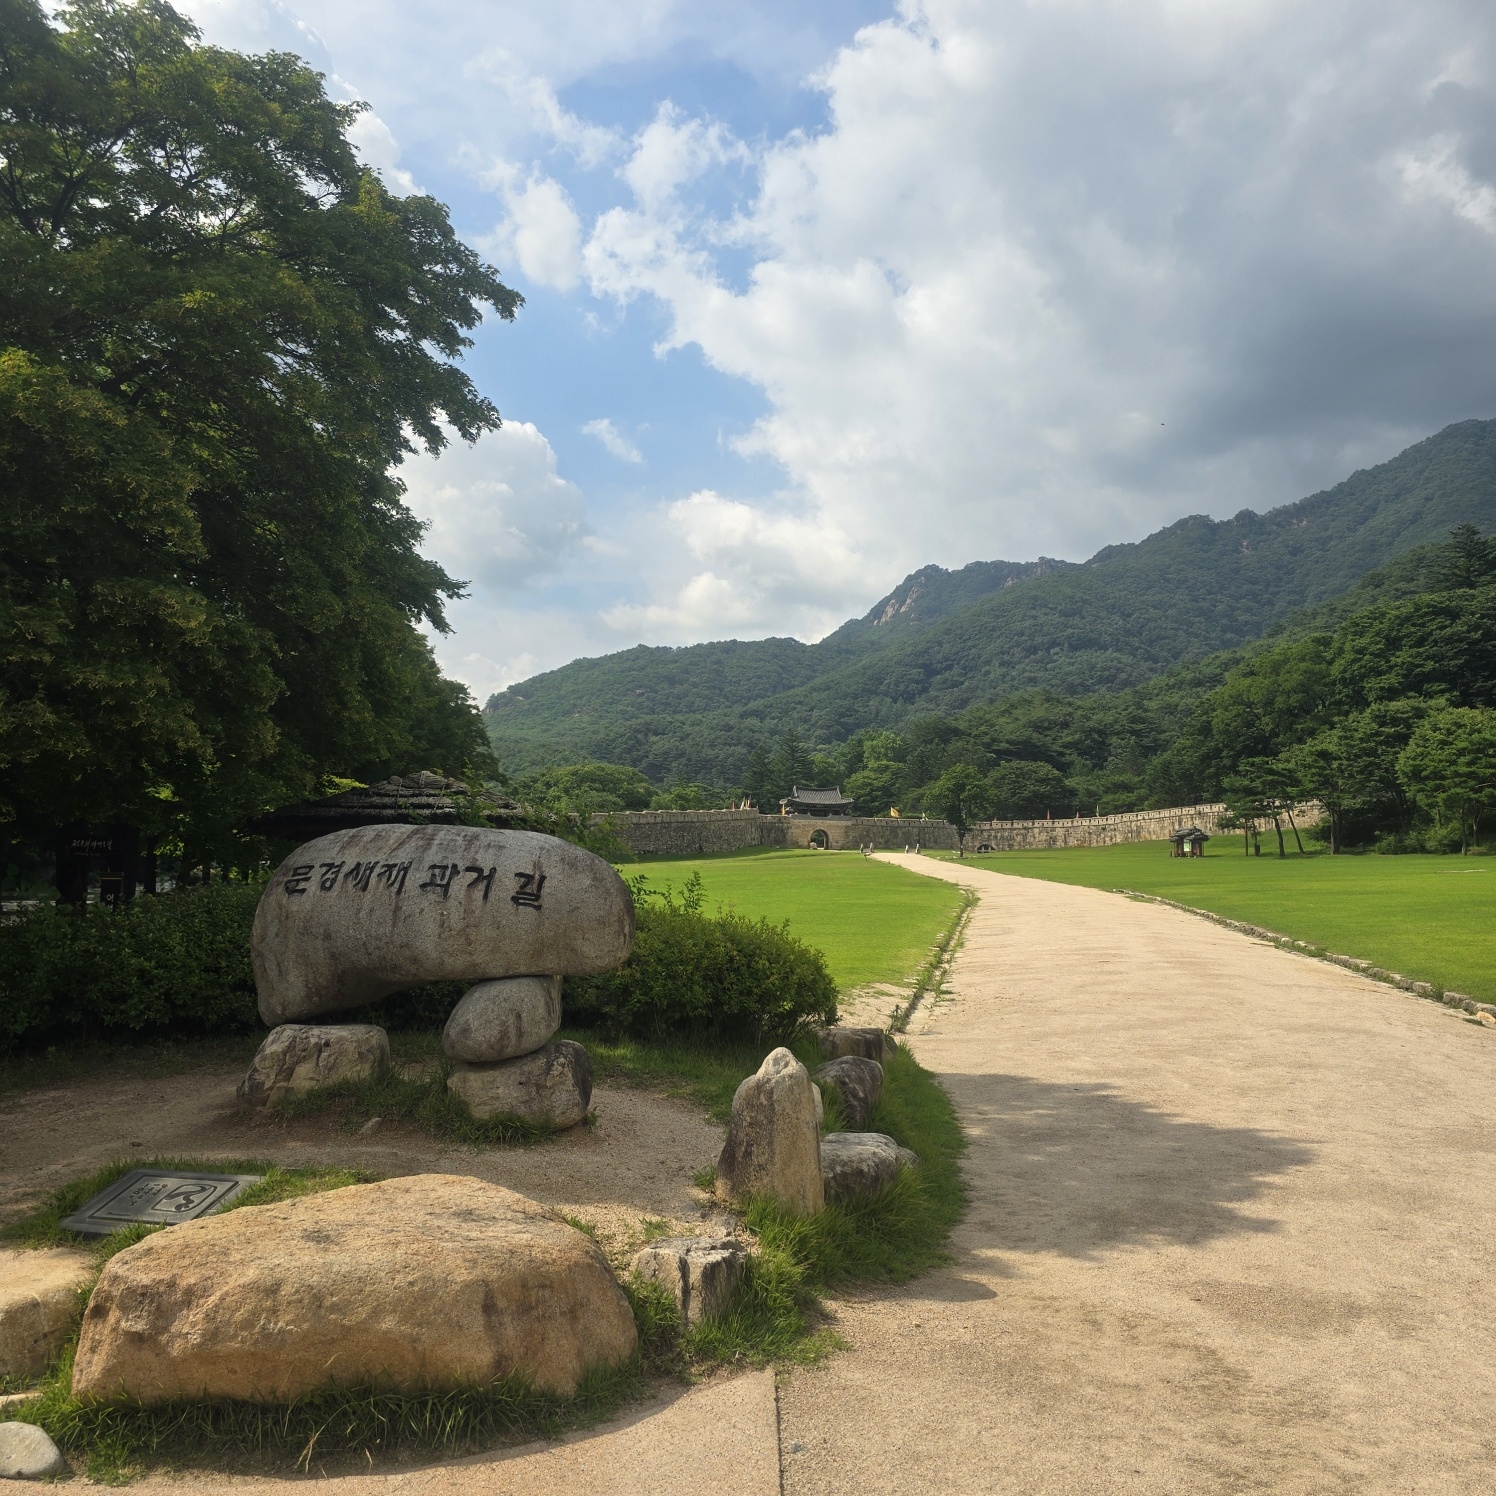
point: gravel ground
(636, 1162)
(1230, 1230)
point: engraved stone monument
(362, 913)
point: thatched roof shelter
(404, 800)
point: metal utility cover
(159, 1197)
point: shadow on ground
(1078, 1170)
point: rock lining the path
(27, 1452)
(869, 1043)
(854, 1164)
(859, 1082)
(298, 1057)
(773, 1145)
(701, 1272)
(424, 1282)
(38, 1305)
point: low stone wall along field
(694, 833)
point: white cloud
(1058, 272)
(541, 233)
(532, 98)
(378, 148)
(498, 511)
(674, 150)
(748, 569)
(613, 440)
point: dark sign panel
(160, 1197)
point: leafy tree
(1441, 645)
(683, 794)
(877, 788)
(1449, 767)
(586, 789)
(1021, 790)
(789, 766)
(757, 776)
(962, 795)
(219, 335)
(1469, 558)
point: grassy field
(1432, 918)
(875, 923)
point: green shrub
(690, 976)
(176, 965)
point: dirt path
(637, 1160)
(1231, 1228)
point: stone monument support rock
(550, 1088)
(501, 1019)
(773, 1143)
(354, 916)
(296, 1057)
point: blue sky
(820, 293)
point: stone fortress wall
(688, 832)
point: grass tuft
(411, 1092)
(340, 1428)
(42, 1226)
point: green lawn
(1432, 918)
(875, 923)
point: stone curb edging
(1303, 948)
(938, 967)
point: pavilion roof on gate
(829, 799)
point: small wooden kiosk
(1188, 842)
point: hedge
(177, 965)
(174, 964)
(690, 976)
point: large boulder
(861, 1163)
(870, 1043)
(701, 1272)
(426, 1282)
(498, 1020)
(39, 1305)
(27, 1453)
(354, 916)
(298, 1057)
(859, 1082)
(773, 1143)
(550, 1088)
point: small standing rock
(870, 1043)
(27, 1452)
(700, 1271)
(773, 1143)
(861, 1163)
(860, 1084)
(550, 1088)
(297, 1057)
(501, 1019)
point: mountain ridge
(945, 640)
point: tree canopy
(219, 336)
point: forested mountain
(946, 641)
